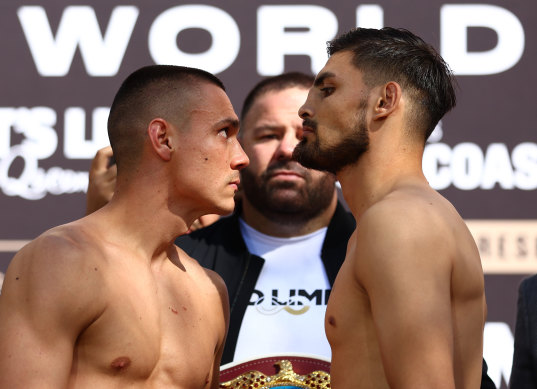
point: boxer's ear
(388, 100)
(160, 135)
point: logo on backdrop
(468, 166)
(283, 30)
(28, 136)
(294, 301)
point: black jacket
(220, 247)
(524, 372)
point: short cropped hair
(391, 54)
(275, 83)
(149, 92)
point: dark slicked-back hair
(276, 83)
(391, 54)
(157, 91)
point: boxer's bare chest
(151, 329)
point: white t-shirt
(286, 310)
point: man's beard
(335, 157)
(287, 202)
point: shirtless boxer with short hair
(108, 301)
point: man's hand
(102, 180)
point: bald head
(158, 91)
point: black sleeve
(523, 374)
(486, 381)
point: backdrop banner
(64, 60)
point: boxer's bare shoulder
(52, 292)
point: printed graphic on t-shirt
(293, 301)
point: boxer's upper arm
(45, 304)
(403, 263)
